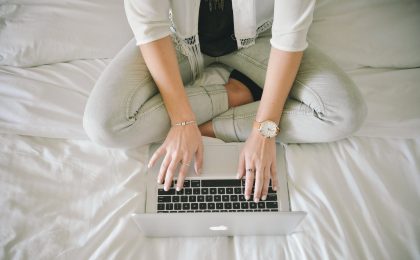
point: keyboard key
(261, 204)
(164, 198)
(205, 191)
(228, 205)
(164, 211)
(187, 183)
(169, 206)
(196, 191)
(194, 206)
(188, 191)
(274, 209)
(195, 183)
(185, 206)
(217, 198)
(203, 206)
(236, 205)
(229, 190)
(220, 183)
(244, 205)
(161, 206)
(177, 206)
(192, 199)
(233, 197)
(271, 197)
(175, 199)
(209, 198)
(225, 197)
(211, 205)
(184, 198)
(242, 198)
(200, 198)
(163, 192)
(213, 191)
(220, 190)
(271, 205)
(219, 205)
(238, 190)
(181, 192)
(252, 205)
(232, 210)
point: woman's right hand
(181, 145)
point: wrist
(267, 128)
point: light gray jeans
(126, 110)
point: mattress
(63, 197)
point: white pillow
(37, 32)
(374, 33)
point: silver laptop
(213, 204)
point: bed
(63, 197)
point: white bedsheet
(67, 198)
(72, 199)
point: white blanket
(70, 199)
(73, 199)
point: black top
(215, 29)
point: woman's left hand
(257, 161)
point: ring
(181, 162)
(249, 170)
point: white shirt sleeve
(291, 22)
(148, 19)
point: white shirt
(289, 21)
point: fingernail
(199, 171)
(256, 200)
(237, 176)
(165, 188)
(247, 197)
(159, 181)
(178, 188)
(274, 188)
(149, 165)
(264, 197)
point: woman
(126, 110)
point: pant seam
(130, 100)
(320, 104)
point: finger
(249, 181)
(198, 164)
(182, 173)
(170, 173)
(266, 183)
(274, 177)
(163, 168)
(241, 167)
(259, 178)
(156, 155)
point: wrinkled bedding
(63, 197)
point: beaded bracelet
(183, 123)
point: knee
(100, 130)
(351, 111)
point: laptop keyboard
(224, 195)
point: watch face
(268, 128)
